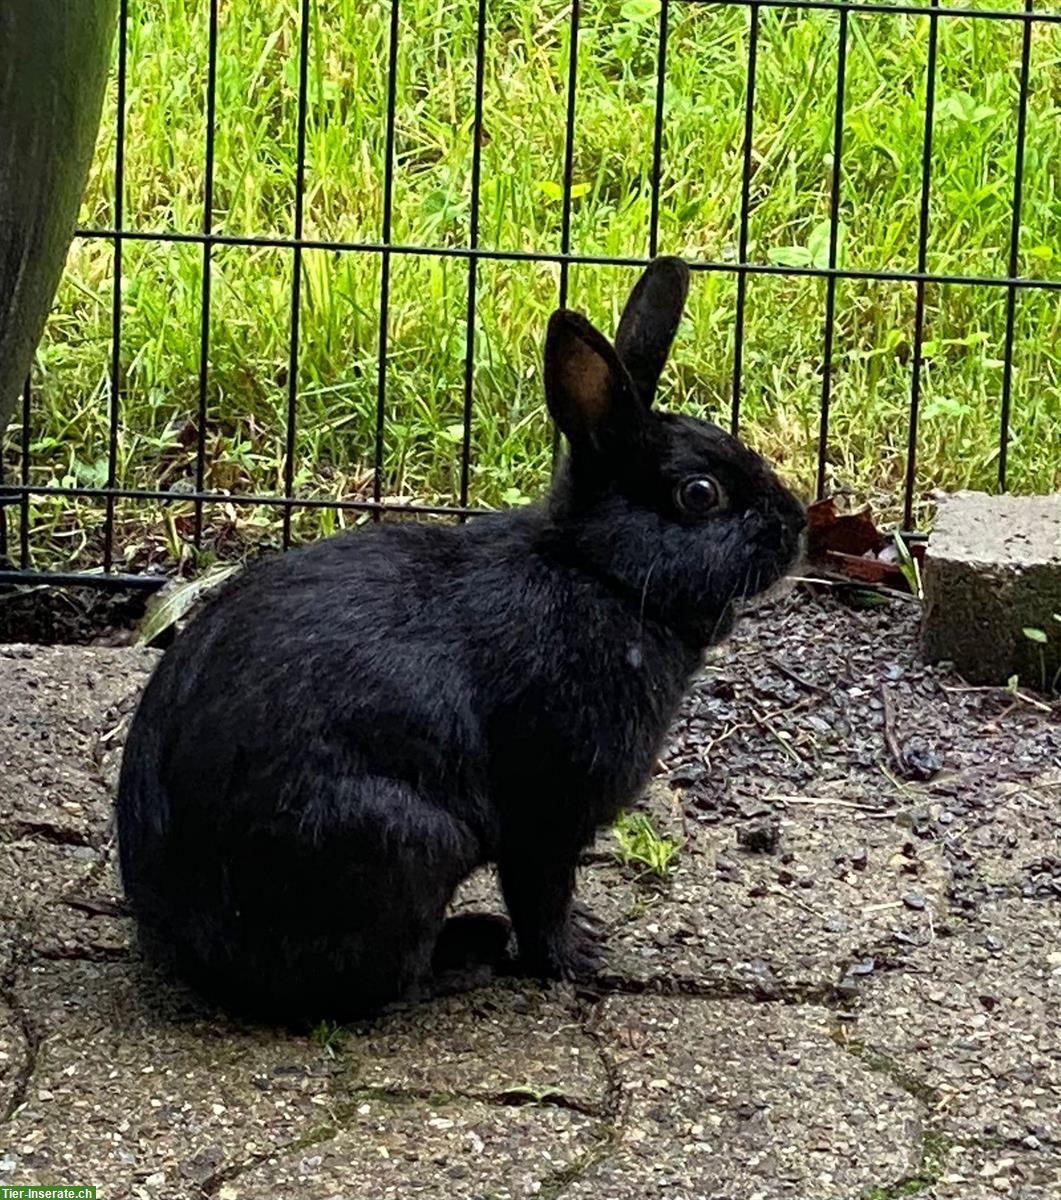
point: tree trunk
(54, 56)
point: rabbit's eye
(698, 496)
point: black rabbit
(349, 730)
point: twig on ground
(796, 678)
(1016, 693)
(774, 890)
(829, 802)
(890, 739)
(764, 722)
(96, 908)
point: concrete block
(992, 568)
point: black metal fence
(15, 494)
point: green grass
(522, 170)
(641, 845)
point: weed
(934, 1150)
(640, 843)
(910, 567)
(329, 1036)
(1041, 640)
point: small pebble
(761, 838)
(914, 900)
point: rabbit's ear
(588, 390)
(650, 321)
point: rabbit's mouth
(765, 586)
(764, 596)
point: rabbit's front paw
(573, 952)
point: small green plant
(909, 566)
(1042, 639)
(640, 843)
(329, 1036)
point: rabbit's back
(338, 644)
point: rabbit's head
(671, 509)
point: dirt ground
(848, 988)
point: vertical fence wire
(385, 259)
(569, 174)
(922, 265)
(473, 261)
(569, 144)
(745, 217)
(657, 129)
(834, 229)
(296, 271)
(207, 270)
(1014, 249)
(7, 498)
(24, 476)
(114, 413)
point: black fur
(350, 729)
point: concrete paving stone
(1010, 832)
(470, 1151)
(981, 1173)
(837, 893)
(726, 919)
(735, 1101)
(59, 709)
(513, 1040)
(977, 1017)
(508, 1091)
(10, 944)
(13, 1058)
(992, 569)
(136, 1088)
(62, 900)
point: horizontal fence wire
(883, 275)
(17, 495)
(574, 259)
(914, 10)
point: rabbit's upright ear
(589, 392)
(650, 321)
